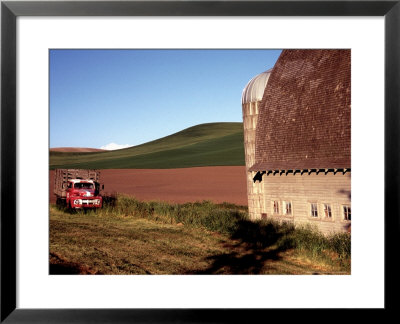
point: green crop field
(214, 144)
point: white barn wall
(302, 190)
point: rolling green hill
(213, 144)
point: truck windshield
(81, 185)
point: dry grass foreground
(90, 243)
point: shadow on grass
(257, 244)
(64, 269)
(60, 266)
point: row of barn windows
(314, 211)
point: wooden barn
(298, 141)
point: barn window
(347, 212)
(288, 208)
(314, 210)
(327, 211)
(276, 207)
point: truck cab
(82, 193)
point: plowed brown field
(218, 184)
(75, 149)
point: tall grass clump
(335, 246)
(222, 218)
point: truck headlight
(78, 202)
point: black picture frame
(10, 10)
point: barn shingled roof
(305, 120)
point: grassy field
(212, 144)
(137, 237)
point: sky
(118, 98)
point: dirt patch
(218, 184)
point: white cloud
(114, 146)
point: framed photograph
(52, 50)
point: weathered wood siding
(303, 190)
(63, 175)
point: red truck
(78, 188)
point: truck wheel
(70, 208)
(61, 203)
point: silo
(251, 99)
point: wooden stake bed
(63, 175)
